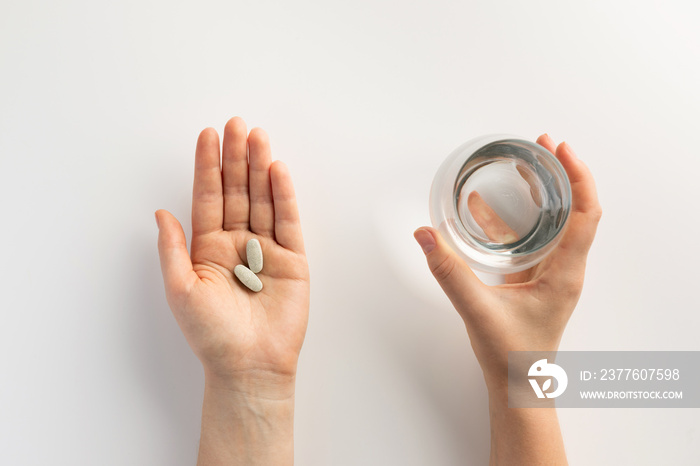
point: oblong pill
(253, 253)
(247, 277)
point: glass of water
(501, 202)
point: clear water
(507, 201)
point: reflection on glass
(509, 207)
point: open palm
(235, 332)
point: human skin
(248, 343)
(527, 313)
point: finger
(175, 262)
(457, 280)
(235, 175)
(207, 198)
(584, 196)
(547, 142)
(287, 223)
(585, 212)
(494, 227)
(262, 214)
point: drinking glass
(501, 202)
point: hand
(246, 341)
(530, 311)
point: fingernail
(425, 239)
(157, 224)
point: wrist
(248, 422)
(251, 408)
(510, 386)
(251, 385)
(496, 361)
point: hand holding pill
(245, 323)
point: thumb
(175, 262)
(455, 277)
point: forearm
(523, 436)
(251, 427)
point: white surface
(100, 106)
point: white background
(100, 107)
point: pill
(253, 253)
(248, 278)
